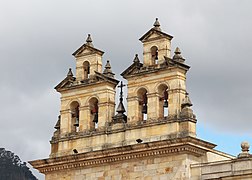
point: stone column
(103, 114)
(65, 122)
(153, 106)
(133, 113)
(83, 121)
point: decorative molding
(128, 126)
(188, 145)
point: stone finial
(177, 51)
(120, 117)
(70, 73)
(57, 125)
(245, 146)
(157, 25)
(245, 150)
(136, 59)
(107, 67)
(177, 55)
(186, 102)
(186, 111)
(107, 71)
(89, 41)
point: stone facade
(155, 140)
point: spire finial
(57, 125)
(70, 73)
(120, 117)
(136, 59)
(107, 66)
(157, 25)
(177, 55)
(186, 101)
(177, 51)
(89, 41)
(107, 71)
(245, 150)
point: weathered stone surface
(157, 140)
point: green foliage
(12, 168)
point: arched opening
(154, 55)
(163, 103)
(94, 112)
(86, 69)
(75, 116)
(143, 103)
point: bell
(144, 110)
(95, 120)
(156, 55)
(76, 122)
(165, 103)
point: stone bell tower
(156, 45)
(156, 139)
(156, 87)
(84, 99)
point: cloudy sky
(37, 38)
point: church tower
(84, 99)
(157, 87)
(156, 139)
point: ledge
(186, 145)
(108, 129)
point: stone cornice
(188, 145)
(128, 126)
(149, 70)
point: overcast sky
(37, 38)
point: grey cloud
(38, 38)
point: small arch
(154, 54)
(71, 101)
(159, 86)
(143, 103)
(140, 89)
(75, 116)
(94, 113)
(163, 103)
(86, 69)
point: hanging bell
(144, 110)
(76, 122)
(165, 103)
(95, 120)
(156, 55)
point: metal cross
(121, 86)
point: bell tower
(156, 45)
(88, 60)
(87, 101)
(156, 139)
(156, 87)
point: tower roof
(88, 45)
(157, 30)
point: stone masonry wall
(173, 167)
